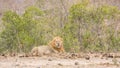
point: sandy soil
(55, 62)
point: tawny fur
(42, 50)
(59, 48)
(55, 46)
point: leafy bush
(84, 30)
(18, 35)
(87, 30)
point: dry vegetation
(90, 30)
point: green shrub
(87, 30)
(18, 35)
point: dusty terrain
(92, 61)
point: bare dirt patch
(63, 61)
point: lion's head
(57, 43)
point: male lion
(55, 46)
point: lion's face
(57, 42)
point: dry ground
(91, 61)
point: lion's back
(41, 50)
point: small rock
(17, 65)
(2, 54)
(60, 64)
(38, 67)
(76, 63)
(87, 57)
(110, 55)
(74, 55)
(27, 55)
(12, 54)
(49, 59)
(21, 55)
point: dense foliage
(84, 28)
(18, 30)
(88, 30)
